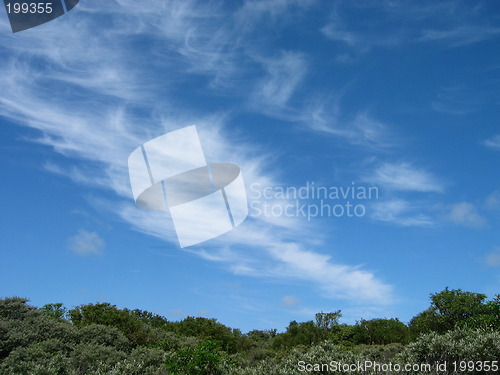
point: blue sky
(398, 95)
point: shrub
(460, 344)
(86, 357)
(103, 335)
(44, 358)
(205, 359)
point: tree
(151, 319)
(326, 321)
(15, 308)
(205, 359)
(343, 334)
(137, 332)
(209, 329)
(306, 333)
(490, 318)
(381, 332)
(456, 308)
(261, 336)
(55, 310)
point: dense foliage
(458, 327)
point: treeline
(103, 339)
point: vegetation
(458, 327)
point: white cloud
(283, 75)
(493, 201)
(361, 130)
(405, 177)
(365, 130)
(400, 212)
(290, 301)
(368, 33)
(85, 102)
(457, 100)
(422, 213)
(465, 214)
(254, 10)
(280, 259)
(335, 280)
(393, 24)
(88, 141)
(334, 31)
(493, 143)
(461, 35)
(360, 42)
(493, 259)
(271, 256)
(86, 243)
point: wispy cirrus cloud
(273, 255)
(493, 143)
(457, 100)
(423, 213)
(360, 35)
(460, 35)
(381, 25)
(283, 76)
(282, 259)
(361, 129)
(405, 177)
(360, 41)
(89, 106)
(401, 212)
(253, 11)
(399, 182)
(336, 280)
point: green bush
(32, 328)
(452, 308)
(42, 358)
(136, 331)
(104, 340)
(461, 344)
(103, 335)
(380, 332)
(204, 359)
(86, 357)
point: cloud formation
(360, 130)
(493, 259)
(405, 177)
(389, 24)
(401, 212)
(86, 243)
(283, 76)
(493, 143)
(89, 104)
(290, 301)
(466, 214)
